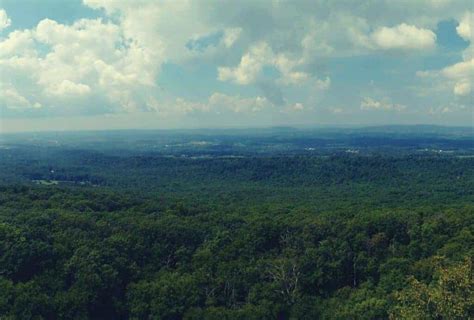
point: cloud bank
(261, 56)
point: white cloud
(88, 57)
(347, 35)
(315, 43)
(446, 108)
(216, 103)
(296, 77)
(463, 72)
(464, 29)
(458, 77)
(260, 55)
(5, 21)
(237, 104)
(462, 88)
(18, 43)
(69, 88)
(403, 36)
(297, 107)
(323, 84)
(115, 61)
(250, 65)
(11, 99)
(231, 35)
(460, 70)
(371, 104)
(179, 106)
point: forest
(257, 225)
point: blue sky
(112, 64)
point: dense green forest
(386, 232)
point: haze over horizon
(101, 64)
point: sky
(117, 64)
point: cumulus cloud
(458, 76)
(216, 102)
(238, 104)
(178, 106)
(371, 104)
(462, 74)
(250, 66)
(116, 61)
(113, 63)
(19, 43)
(231, 35)
(261, 55)
(295, 77)
(5, 21)
(464, 29)
(12, 99)
(462, 88)
(211, 43)
(323, 84)
(69, 88)
(297, 107)
(344, 35)
(460, 70)
(403, 36)
(446, 108)
(88, 57)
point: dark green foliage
(295, 237)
